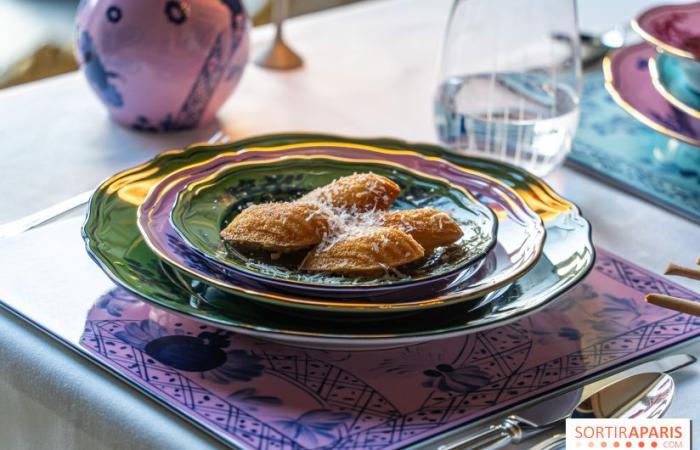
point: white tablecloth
(369, 72)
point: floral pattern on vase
(162, 66)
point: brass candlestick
(279, 56)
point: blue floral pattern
(251, 400)
(98, 75)
(316, 425)
(116, 302)
(615, 146)
(206, 353)
(258, 395)
(617, 312)
(460, 380)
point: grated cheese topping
(346, 222)
(343, 223)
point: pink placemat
(259, 395)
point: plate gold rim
(282, 300)
(539, 196)
(665, 93)
(610, 87)
(668, 48)
(196, 186)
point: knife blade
(46, 215)
(57, 210)
(544, 415)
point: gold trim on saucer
(653, 40)
(661, 89)
(610, 86)
(335, 305)
(196, 186)
(205, 182)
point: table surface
(369, 71)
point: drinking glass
(510, 81)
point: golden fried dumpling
(369, 251)
(277, 227)
(360, 192)
(430, 227)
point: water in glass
(509, 89)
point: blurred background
(36, 35)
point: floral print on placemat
(614, 145)
(262, 395)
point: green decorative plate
(205, 206)
(113, 239)
(520, 235)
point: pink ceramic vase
(161, 65)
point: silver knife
(53, 212)
(545, 415)
(26, 223)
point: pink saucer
(673, 28)
(628, 80)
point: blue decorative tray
(612, 145)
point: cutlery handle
(511, 430)
(36, 219)
(39, 218)
(558, 441)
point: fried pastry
(359, 192)
(369, 252)
(277, 227)
(430, 227)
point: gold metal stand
(279, 56)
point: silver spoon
(642, 396)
